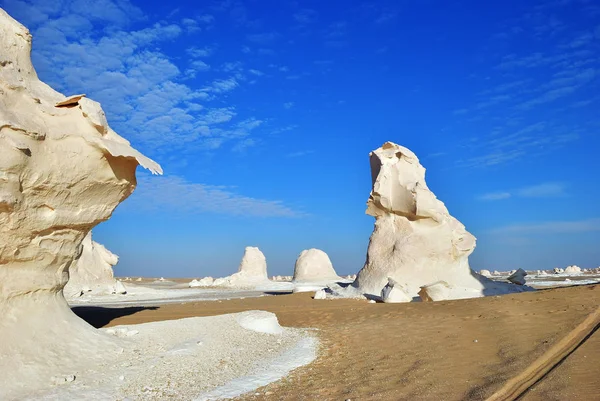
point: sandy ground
(454, 350)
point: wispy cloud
(547, 190)
(177, 195)
(551, 227)
(148, 96)
(288, 105)
(492, 196)
(300, 153)
(265, 38)
(306, 16)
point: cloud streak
(547, 190)
(551, 227)
(175, 194)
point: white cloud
(495, 196)
(300, 153)
(263, 38)
(551, 227)
(196, 52)
(306, 16)
(548, 190)
(222, 85)
(148, 96)
(288, 105)
(174, 194)
(542, 191)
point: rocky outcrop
(92, 271)
(573, 270)
(518, 277)
(485, 273)
(62, 171)
(313, 265)
(252, 271)
(394, 293)
(416, 241)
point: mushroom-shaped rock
(415, 239)
(394, 293)
(438, 291)
(92, 271)
(62, 171)
(518, 277)
(558, 270)
(313, 265)
(573, 270)
(485, 273)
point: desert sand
(449, 350)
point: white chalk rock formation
(320, 294)
(416, 241)
(558, 270)
(252, 271)
(313, 265)
(62, 171)
(92, 271)
(485, 273)
(203, 282)
(518, 277)
(573, 270)
(394, 293)
(438, 291)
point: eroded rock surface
(62, 171)
(92, 271)
(251, 272)
(416, 241)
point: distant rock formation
(92, 271)
(573, 270)
(251, 272)
(415, 240)
(204, 282)
(62, 171)
(518, 277)
(485, 273)
(313, 265)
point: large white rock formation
(573, 270)
(92, 271)
(313, 265)
(252, 271)
(416, 241)
(62, 171)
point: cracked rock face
(416, 241)
(62, 171)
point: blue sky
(263, 113)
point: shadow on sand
(99, 317)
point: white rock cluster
(62, 171)
(573, 270)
